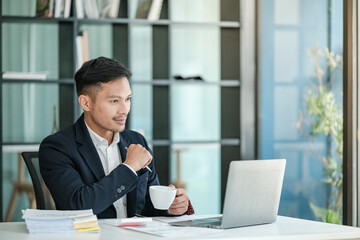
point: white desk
(283, 228)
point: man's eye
(128, 99)
(114, 101)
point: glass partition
(196, 52)
(203, 187)
(24, 107)
(30, 110)
(195, 113)
(141, 52)
(98, 45)
(141, 110)
(195, 11)
(301, 103)
(11, 7)
(31, 48)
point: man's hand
(137, 157)
(181, 202)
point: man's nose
(123, 108)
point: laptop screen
(253, 192)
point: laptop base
(213, 222)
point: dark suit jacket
(72, 170)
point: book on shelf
(62, 8)
(143, 8)
(82, 48)
(149, 9)
(58, 8)
(110, 9)
(42, 221)
(44, 8)
(79, 8)
(53, 8)
(86, 45)
(155, 10)
(67, 8)
(25, 75)
(91, 9)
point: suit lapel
(131, 196)
(124, 142)
(87, 149)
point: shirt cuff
(189, 211)
(130, 168)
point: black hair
(97, 71)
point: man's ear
(85, 102)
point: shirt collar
(99, 141)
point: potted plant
(326, 119)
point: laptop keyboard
(215, 221)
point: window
(301, 117)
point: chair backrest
(32, 163)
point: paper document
(160, 226)
(127, 222)
(166, 230)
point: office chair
(42, 194)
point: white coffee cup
(162, 196)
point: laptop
(252, 195)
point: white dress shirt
(110, 158)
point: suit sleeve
(66, 177)
(149, 209)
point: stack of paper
(38, 221)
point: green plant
(326, 119)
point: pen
(126, 148)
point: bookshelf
(201, 118)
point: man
(97, 163)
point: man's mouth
(120, 120)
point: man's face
(107, 111)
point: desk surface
(283, 228)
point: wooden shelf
(166, 82)
(47, 81)
(26, 19)
(29, 19)
(16, 148)
(225, 142)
